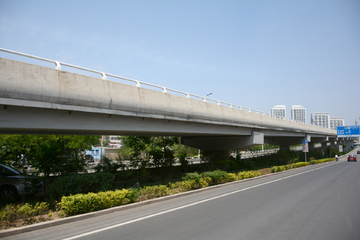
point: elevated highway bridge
(39, 100)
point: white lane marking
(189, 205)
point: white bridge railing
(139, 83)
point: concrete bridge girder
(59, 102)
(56, 87)
(224, 142)
(319, 138)
(284, 141)
(33, 120)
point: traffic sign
(305, 146)
(348, 131)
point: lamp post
(208, 94)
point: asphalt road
(315, 202)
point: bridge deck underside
(32, 120)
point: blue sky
(255, 54)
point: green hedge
(79, 183)
(192, 176)
(249, 174)
(289, 166)
(84, 203)
(299, 164)
(321, 160)
(210, 178)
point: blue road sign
(305, 145)
(348, 131)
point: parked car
(89, 158)
(352, 158)
(13, 184)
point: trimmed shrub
(301, 164)
(84, 203)
(26, 210)
(216, 177)
(184, 186)
(11, 214)
(151, 192)
(205, 182)
(231, 177)
(192, 176)
(249, 174)
(322, 160)
(289, 166)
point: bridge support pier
(285, 147)
(323, 146)
(348, 144)
(311, 146)
(216, 158)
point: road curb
(52, 223)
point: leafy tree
(51, 154)
(18, 150)
(331, 152)
(144, 151)
(134, 146)
(137, 144)
(106, 165)
(161, 151)
(106, 142)
(184, 151)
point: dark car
(89, 158)
(13, 184)
(352, 158)
(358, 152)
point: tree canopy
(57, 154)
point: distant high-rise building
(278, 111)
(321, 119)
(335, 122)
(298, 113)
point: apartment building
(298, 113)
(336, 122)
(321, 119)
(278, 111)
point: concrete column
(349, 145)
(285, 147)
(323, 145)
(311, 146)
(215, 158)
